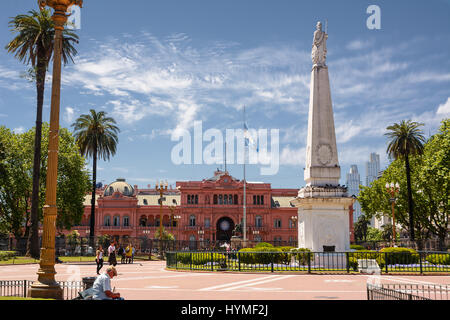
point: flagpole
(244, 221)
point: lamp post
(294, 221)
(46, 286)
(161, 187)
(393, 189)
(200, 234)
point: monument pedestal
(323, 218)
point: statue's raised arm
(319, 47)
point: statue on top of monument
(319, 46)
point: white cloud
(69, 115)
(293, 157)
(19, 130)
(359, 44)
(444, 108)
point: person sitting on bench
(102, 286)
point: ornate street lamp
(200, 234)
(161, 187)
(393, 190)
(46, 286)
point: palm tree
(96, 136)
(406, 139)
(33, 44)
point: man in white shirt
(102, 286)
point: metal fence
(388, 291)
(19, 288)
(311, 262)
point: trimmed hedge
(6, 255)
(199, 258)
(398, 256)
(436, 258)
(267, 255)
(263, 244)
(357, 247)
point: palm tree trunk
(33, 239)
(94, 184)
(410, 199)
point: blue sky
(156, 66)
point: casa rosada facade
(205, 210)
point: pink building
(207, 210)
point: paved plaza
(151, 281)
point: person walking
(99, 259)
(128, 253)
(112, 254)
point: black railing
(311, 262)
(19, 288)
(388, 291)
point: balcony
(116, 228)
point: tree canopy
(16, 161)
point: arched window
(116, 221)
(111, 190)
(230, 199)
(254, 200)
(192, 221)
(220, 199)
(145, 202)
(107, 221)
(125, 190)
(258, 200)
(262, 200)
(225, 199)
(215, 199)
(196, 199)
(189, 199)
(258, 221)
(126, 221)
(143, 221)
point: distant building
(372, 168)
(353, 183)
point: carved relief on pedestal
(324, 154)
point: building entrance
(224, 227)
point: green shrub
(286, 255)
(261, 255)
(263, 244)
(353, 263)
(6, 255)
(357, 247)
(301, 255)
(199, 258)
(436, 258)
(364, 254)
(397, 256)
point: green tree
(360, 228)
(15, 187)
(33, 44)
(14, 183)
(96, 136)
(406, 140)
(165, 235)
(434, 181)
(375, 200)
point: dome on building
(119, 185)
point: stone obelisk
(323, 205)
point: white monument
(323, 205)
